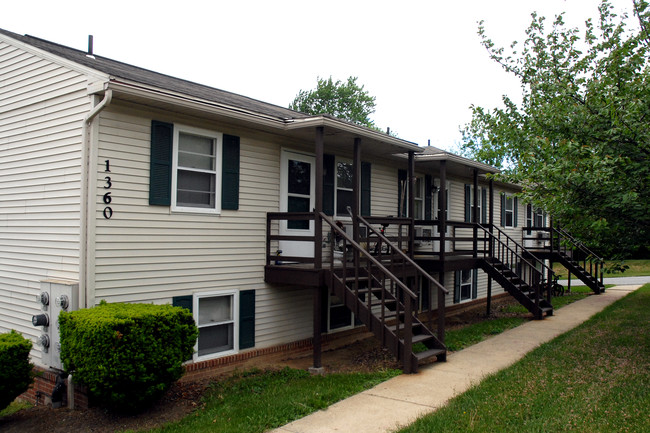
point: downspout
(87, 196)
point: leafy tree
(579, 141)
(345, 100)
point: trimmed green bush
(16, 372)
(127, 354)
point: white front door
(297, 192)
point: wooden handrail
(523, 248)
(402, 254)
(369, 256)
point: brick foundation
(41, 391)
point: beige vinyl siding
(383, 189)
(149, 254)
(42, 106)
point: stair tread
(429, 353)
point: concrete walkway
(611, 280)
(401, 400)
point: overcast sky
(422, 60)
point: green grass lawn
(637, 268)
(256, 401)
(595, 378)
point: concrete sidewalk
(401, 400)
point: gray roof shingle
(155, 79)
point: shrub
(127, 354)
(16, 372)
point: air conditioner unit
(540, 239)
(421, 232)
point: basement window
(466, 284)
(216, 315)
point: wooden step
(421, 356)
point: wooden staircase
(384, 302)
(527, 295)
(517, 271)
(566, 250)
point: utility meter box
(55, 297)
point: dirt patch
(185, 396)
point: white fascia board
(183, 100)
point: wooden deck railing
(420, 274)
(377, 276)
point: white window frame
(218, 138)
(460, 285)
(511, 197)
(330, 305)
(234, 320)
(538, 217)
(480, 203)
(436, 205)
(338, 161)
(418, 190)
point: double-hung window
(344, 187)
(196, 173)
(216, 315)
(509, 211)
(418, 198)
(465, 285)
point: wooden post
(442, 229)
(318, 224)
(411, 201)
(356, 178)
(475, 215)
(490, 246)
(442, 218)
(318, 249)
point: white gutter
(183, 101)
(88, 186)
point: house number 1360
(108, 211)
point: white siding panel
(149, 254)
(383, 189)
(42, 106)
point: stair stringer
(580, 272)
(517, 290)
(384, 328)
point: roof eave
(361, 131)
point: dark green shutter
(230, 173)
(484, 210)
(401, 180)
(365, 188)
(515, 204)
(457, 277)
(183, 301)
(468, 203)
(246, 319)
(160, 163)
(475, 284)
(428, 196)
(329, 175)
(503, 210)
